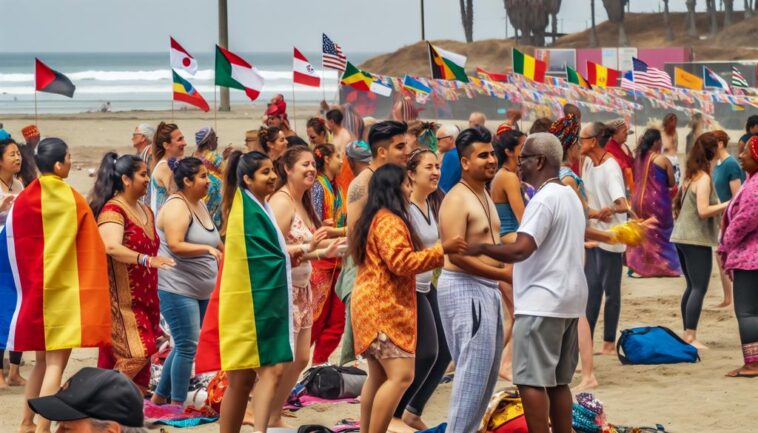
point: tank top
(428, 232)
(568, 172)
(300, 234)
(156, 194)
(508, 221)
(689, 228)
(193, 277)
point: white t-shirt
(551, 281)
(604, 184)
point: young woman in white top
(296, 218)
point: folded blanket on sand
(176, 416)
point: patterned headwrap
(358, 150)
(566, 129)
(503, 128)
(752, 144)
(30, 131)
(202, 135)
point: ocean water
(142, 81)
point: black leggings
(697, 263)
(746, 304)
(603, 271)
(14, 357)
(432, 355)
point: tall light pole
(223, 40)
(423, 33)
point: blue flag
(416, 85)
(712, 79)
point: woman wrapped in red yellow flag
(53, 276)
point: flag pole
(215, 110)
(294, 107)
(36, 119)
(172, 110)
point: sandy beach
(683, 397)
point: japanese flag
(181, 59)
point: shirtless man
(340, 136)
(388, 146)
(469, 300)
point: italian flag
(528, 66)
(233, 71)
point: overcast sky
(260, 25)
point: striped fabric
(627, 83)
(248, 323)
(331, 54)
(649, 76)
(54, 290)
(738, 80)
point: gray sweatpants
(472, 317)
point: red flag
(491, 76)
(50, 81)
(302, 71)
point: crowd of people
(419, 246)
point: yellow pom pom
(630, 233)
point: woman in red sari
(128, 230)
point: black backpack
(332, 382)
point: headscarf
(30, 132)
(503, 128)
(752, 145)
(566, 129)
(202, 135)
(4, 135)
(358, 150)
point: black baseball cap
(106, 395)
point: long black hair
(647, 141)
(385, 191)
(49, 152)
(237, 166)
(108, 181)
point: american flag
(648, 76)
(331, 55)
(627, 83)
(738, 80)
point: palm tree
(593, 33)
(748, 9)
(530, 17)
(615, 10)
(553, 7)
(467, 17)
(728, 12)
(711, 8)
(667, 21)
(691, 27)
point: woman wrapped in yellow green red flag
(248, 327)
(53, 275)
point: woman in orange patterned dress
(128, 231)
(383, 304)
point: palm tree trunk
(667, 21)
(711, 7)
(467, 17)
(554, 22)
(593, 33)
(691, 27)
(728, 12)
(748, 9)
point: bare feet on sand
(586, 384)
(698, 345)
(16, 381)
(248, 419)
(27, 428)
(609, 348)
(725, 303)
(398, 426)
(414, 421)
(747, 371)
